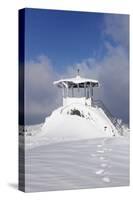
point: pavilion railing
(116, 122)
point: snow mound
(71, 123)
(78, 122)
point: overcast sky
(59, 42)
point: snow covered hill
(62, 126)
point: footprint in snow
(101, 158)
(106, 179)
(104, 165)
(100, 151)
(100, 171)
(99, 145)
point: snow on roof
(77, 80)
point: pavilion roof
(77, 81)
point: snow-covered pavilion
(77, 89)
(78, 117)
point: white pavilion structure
(78, 117)
(77, 90)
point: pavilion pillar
(63, 92)
(67, 91)
(78, 87)
(72, 91)
(85, 93)
(90, 91)
(91, 94)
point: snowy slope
(70, 152)
(101, 162)
(91, 123)
(62, 126)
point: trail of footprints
(104, 162)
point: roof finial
(78, 70)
